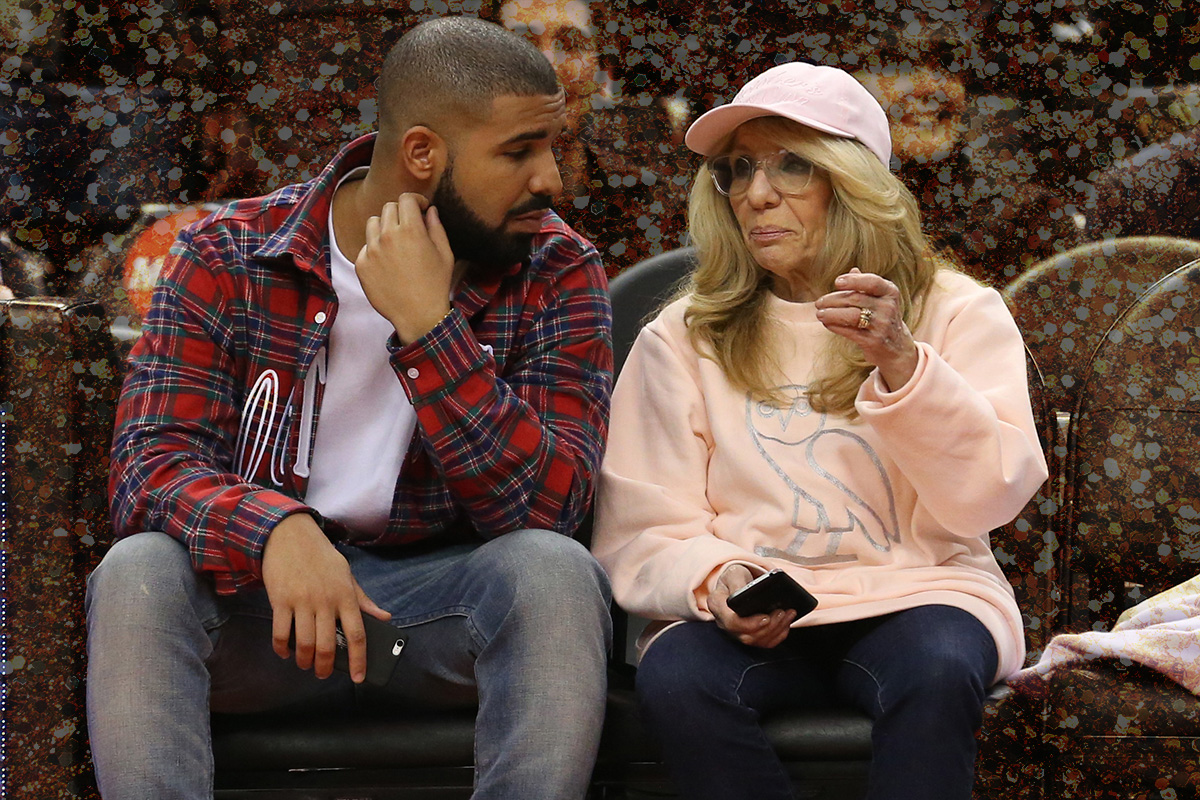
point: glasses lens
(721, 170)
(731, 175)
(788, 172)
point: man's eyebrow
(527, 136)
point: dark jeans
(921, 674)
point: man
(384, 391)
(564, 31)
(625, 172)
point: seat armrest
(59, 381)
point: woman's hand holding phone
(757, 630)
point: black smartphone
(770, 592)
(385, 643)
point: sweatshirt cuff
(874, 394)
(702, 592)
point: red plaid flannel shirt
(511, 389)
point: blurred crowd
(1023, 128)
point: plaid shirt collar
(311, 254)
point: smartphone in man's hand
(385, 643)
(771, 592)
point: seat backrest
(59, 381)
(1133, 474)
(638, 292)
(1065, 305)
(1027, 547)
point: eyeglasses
(787, 173)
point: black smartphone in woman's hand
(770, 592)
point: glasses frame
(763, 164)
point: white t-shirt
(366, 420)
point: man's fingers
(437, 234)
(305, 639)
(281, 631)
(326, 643)
(420, 200)
(368, 606)
(388, 215)
(356, 643)
(373, 226)
(411, 210)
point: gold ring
(864, 317)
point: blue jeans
(515, 626)
(922, 675)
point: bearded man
(379, 395)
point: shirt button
(320, 317)
(414, 373)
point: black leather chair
(59, 377)
(1111, 728)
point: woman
(827, 400)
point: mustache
(539, 202)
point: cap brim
(706, 133)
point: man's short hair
(456, 66)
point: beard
(489, 251)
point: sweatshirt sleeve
(961, 430)
(653, 526)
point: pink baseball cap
(825, 98)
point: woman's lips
(766, 235)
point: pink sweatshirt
(885, 513)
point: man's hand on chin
(406, 268)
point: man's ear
(424, 153)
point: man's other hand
(311, 589)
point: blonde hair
(873, 224)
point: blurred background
(1023, 128)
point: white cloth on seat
(1162, 633)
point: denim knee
(543, 566)
(947, 663)
(550, 583)
(677, 677)
(148, 575)
(951, 666)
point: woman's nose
(760, 192)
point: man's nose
(546, 179)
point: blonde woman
(830, 400)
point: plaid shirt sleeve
(177, 421)
(519, 447)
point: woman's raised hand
(865, 308)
